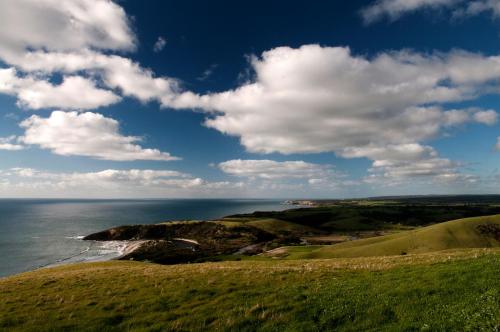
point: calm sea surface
(37, 233)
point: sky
(262, 99)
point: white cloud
(487, 117)
(270, 177)
(86, 134)
(270, 169)
(9, 144)
(74, 92)
(323, 99)
(159, 44)
(45, 37)
(306, 100)
(404, 162)
(477, 7)
(130, 176)
(115, 72)
(134, 81)
(412, 160)
(458, 117)
(135, 183)
(56, 25)
(467, 180)
(394, 9)
(409, 152)
(132, 183)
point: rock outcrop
(172, 243)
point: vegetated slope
(259, 232)
(436, 292)
(274, 226)
(183, 242)
(354, 217)
(478, 232)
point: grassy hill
(449, 291)
(442, 277)
(478, 232)
(272, 225)
(256, 233)
(361, 217)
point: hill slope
(478, 232)
(360, 216)
(434, 292)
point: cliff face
(183, 242)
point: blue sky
(265, 99)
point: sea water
(44, 232)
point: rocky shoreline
(183, 242)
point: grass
(366, 217)
(275, 226)
(442, 277)
(455, 234)
(271, 225)
(452, 290)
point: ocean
(36, 233)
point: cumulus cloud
(136, 183)
(10, 144)
(111, 176)
(305, 100)
(159, 44)
(487, 117)
(43, 38)
(394, 9)
(322, 99)
(397, 163)
(270, 169)
(408, 161)
(114, 72)
(269, 176)
(55, 25)
(74, 92)
(131, 183)
(458, 117)
(86, 134)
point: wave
(73, 256)
(95, 252)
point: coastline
(285, 224)
(46, 231)
(121, 249)
(113, 250)
(104, 251)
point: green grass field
(443, 277)
(456, 290)
(273, 226)
(462, 233)
(364, 217)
